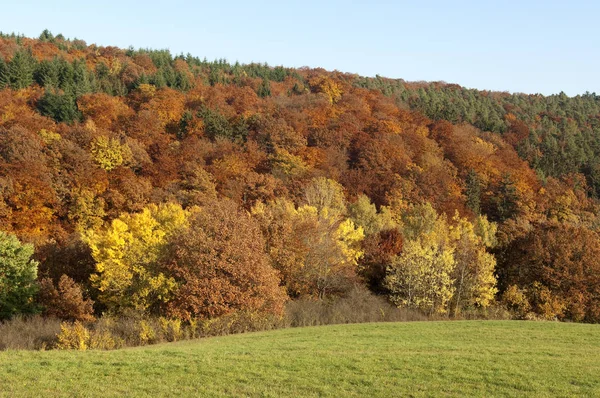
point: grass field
(468, 358)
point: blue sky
(518, 46)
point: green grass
(470, 358)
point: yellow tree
(473, 274)
(421, 276)
(471, 271)
(108, 153)
(316, 252)
(324, 193)
(365, 214)
(333, 250)
(128, 255)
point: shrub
(73, 336)
(146, 334)
(515, 300)
(103, 340)
(170, 329)
(358, 306)
(65, 302)
(28, 333)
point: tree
(18, 273)
(215, 124)
(47, 74)
(103, 109)
(421, 277)
(20, 70)
(129, 255)
(557, 266)
(448, 258)
(65, 301)
(507, 199)
(220, 266)
(316, 252)
(264, 90)
(60, 107)
(379, 252)
(473, 273)
(108, 152)
(365, 215)
(473, 192)
(324, 193)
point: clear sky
(526, 46)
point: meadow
(447, 358)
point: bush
(28, 333)
(358, 306)
(239, 322)
(73, 336)
(515, 299)
(493, 312)
(76, 336)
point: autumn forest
(186, 190)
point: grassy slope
(475, 358)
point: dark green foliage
(73, 78)
(389, 87)
(18, 273)
(3, 73)
(215, 124)
(18, 73)
(473, 192)
(107, 82)
(47, 36)
(60, 107)
(47, 74)
(505, 203)
(184, 124)
(264, 90)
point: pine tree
(473, 192)
(507, 199)
(20, 70)
(264, 90)
(3, 73)
(47, 74)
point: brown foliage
(222, 267)
(65, 301)
(559, 268)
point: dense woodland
(135, 180)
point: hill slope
(392, 359)
(90, 135)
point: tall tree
(220, 266)
(18, 273)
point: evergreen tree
(47, 74)
(46, 35)
(264, 90)
(507, 199)
(3, 73)
(60, 107)
(20, 70)
(473, 192)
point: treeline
(135, 181)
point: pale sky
(518, 46)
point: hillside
(185, 188)
(478, 359)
